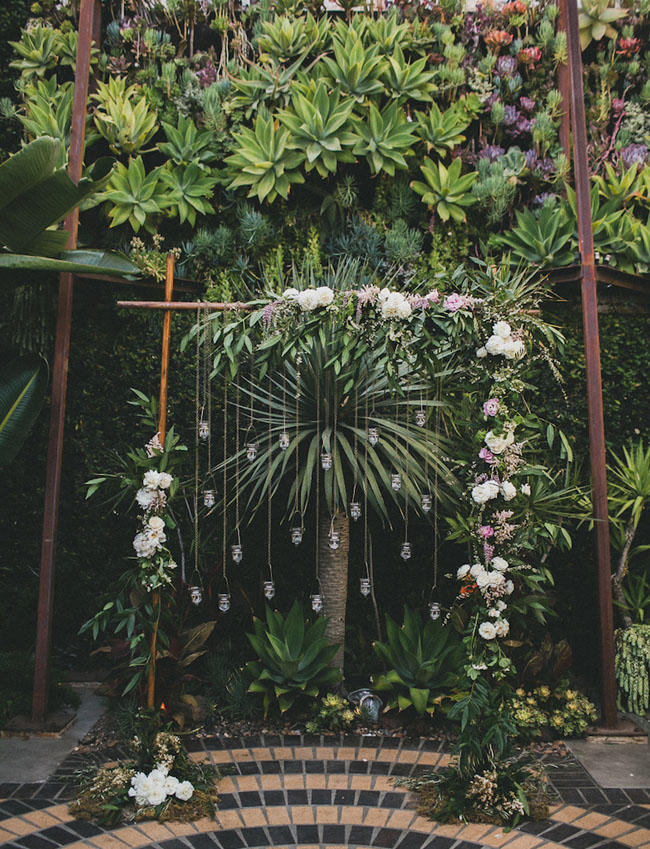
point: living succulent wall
(407, 138)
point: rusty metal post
(592, 355)
(60, 375)
(162, 433)
(564, 86)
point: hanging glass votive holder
(251, 451)
(420, 418)
(317, 602)
(355, 510)
(373, 435)
(334, 540)
(364, 587)
(326, 461)
(426, 502)
(405, 551)
(224, 602)
(396, 481)
(196, 596)
(434, 610)
(284, 440)
(236, 552)
(208, 498)
(204, 430)
(269, 589)
(296, 535)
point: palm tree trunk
(333, 574)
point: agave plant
(423, 663)
(595, 19)
(48, 112)
(625, 189)
(384, 138)
(134, 196)
(441, 131)
(387, 33)
(37, 50)
(188, 189)
(264, 160)
(123, 116)
(284, 38)
(319, 126)
(407, 80)
(445, 191)
(543, 239)
(186, 144)
(261, 86)
(293, 659)
(355, 69)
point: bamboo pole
(172, 306)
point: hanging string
(435, 487)
(318, 449)
(224, 528)
(355, 444)
(195, 500)
(269, 491)
(406, 464)
(335, 489)
(207, 393)
(296, 509)
(365, 502)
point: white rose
(290, 294)
(483, 492)
(307, 300)
(499, 564)
(476, 570)
(156, 524)
(498, 442)
(494, 345)
(508, 490)
(493, 612)
(404, 309)
(325, 296)
(462, 572)
(481, 353)
(502, 627)
(525, 489)
(158, 776)
(164, 480)
(497, 579)
(184, 791)
(144, 545)
(395, 306)
(501, 606)
(145, 497)
(487, 630)
(502, 329)
(383, 294)
(151, 479)
(483, 579)
(171, 785)
(509, 587)
(156, 795)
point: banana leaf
(23, 383)
(78, 262)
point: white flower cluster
(394, 304)
(152, 497)
(491, 582)
(498, 442)
(310, 299)
(151, 538)
(154, 789)
(152, 493)
(502, 344)
(486, 491)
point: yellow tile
(591, 821)
(180, 829)
(108, 841)
(270, 782)
(245, 782)
(253, 817)
(205, 824)
(429, 759)
(218, 756)
(324, 753)
(370, 755)
(346, 753)
(229, 819)
(569, 813)
(382, 782)
(303, 753)
(525, 841)
(302, 814)
(203, 757)
(337, 782)
(18, 826)
(61, 812)
(153, 832)
(376, 816)
(262, 754)
(319, 782)
(400, 819)
(408, 756)
(361, 782)
(229, 784)
(497, 837)
(638, 837)
(132, 836)
(278, 815)
(40, 819)
(294, 782)
(475, 831)
(240, 755)
(351, 815)
(283, 753)
(326, 814)
(613, 829)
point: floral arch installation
(334, 389)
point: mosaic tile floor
(309, 790)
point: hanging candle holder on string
(317, 602)
(269, 590)
(204, 430)
(208, 498)
(396, 481)
(426, 502)
(223, 600)
(325, 461)
(364, 587)
(297, 529)
(196, 594)
(434, 610)
(355, 510)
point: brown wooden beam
(173, 306)
(592, 354)
(60, 375)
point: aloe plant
(23, 383)
(264, 160)
(384, 138)
(48, 112)
(445, 190)
(387, 33)
(543, 239)
(123, 116)
(261, 86)
(134, 196)
(407, 80)
(355, 69)
(626, 188)
(595, 19)
(293, 659)
(423, 663)
(186, 144)
(188, 191)
(319, 126)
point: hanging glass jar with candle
(426, 502)
(269, 589)
(420, 418)
(204, 430)
(196, 595)
(296, 535)
(355, 510)
(396, 481)
(251, 451)
(326, 461)
(434, 610)
(405, 551)
(373, 435)
(236, 552)
(334, 540)
(364, 587)
(224, 602)
(208, 498)
(284, 440)
(317, 603)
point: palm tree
(331, 414)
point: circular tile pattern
(312, 790)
